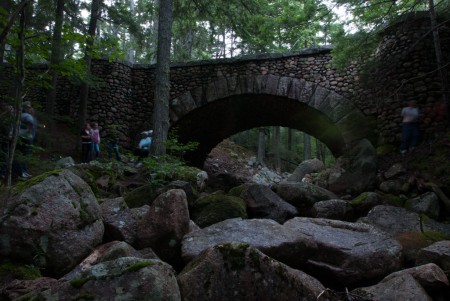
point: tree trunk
(289, 147)
(131, 50)
(20, 9)
(439, 59)
(18, 97)
(261, 146)
(55, 56)
(84, 93)
(6, 6)
(276, 148)
(162, 79)
(307, 146)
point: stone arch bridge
(212, 100)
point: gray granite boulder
(333, 209)
(349, 254)
(164, 225)
(427, 204)
(401, 287)
(236, 271)
(55, 222)
(303, 195)
(396, 220)
(430, 276)
(120, 222)
(355, 171)
(125, 278)
(281, 243)
(438, 253)
(304, 168)
(262, 202)
(109, 251)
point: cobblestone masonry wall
(406, 70)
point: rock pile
(281, 248)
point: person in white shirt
(143, 148)
(410, 127)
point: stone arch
(230, 105)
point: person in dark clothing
(86, 141)
(113, 137)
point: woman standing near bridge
(410, 127)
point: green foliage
(79, 282)
(164, 169)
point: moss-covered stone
(79, 282)
(216, 208)
(234, 255)
(139, 265)
(141, 196)
(21, 186)
(394, 200)
(237, 191)
(359, 200)
(385, 149)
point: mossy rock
(21, 186)
(216, 208)
(394, 200)
(144, 195)
(237, 191)
(385, 149)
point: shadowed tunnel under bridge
(212, 114)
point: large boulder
(355, 171)
(164, 225)
(236, 271)
(396, 220)
(427, 203)
(262, 202)
(120, 222)
(216, 207)
(412, 230)
(106, 252)
(401, 287)
(438, 253)
(55, 221)
(125, 278)
(349, 254)
(303, 195)
(304, 168)
(143, 195)
(333, 209)
(281, 243)
(15, 290)
(430, 276)
(364, 202)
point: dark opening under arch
(222, 118)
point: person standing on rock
(113, 137)
(410, 127)
(143, 148)
(95, 141)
